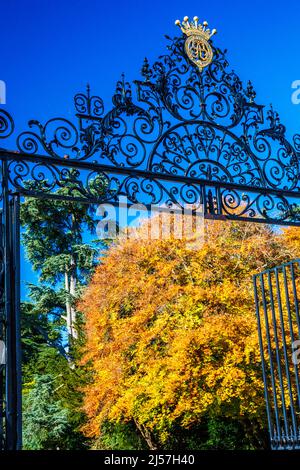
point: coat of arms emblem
(197, 46)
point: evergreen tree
(66, 384)
(53, 240)
(45, 419)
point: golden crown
(195, 28)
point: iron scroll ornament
(187, 130)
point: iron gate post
(2, 338)
(11, 247)
(16, 316)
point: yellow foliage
(171, 331)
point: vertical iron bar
(219, 200)
(288, 305)
(204, 199)
(296, 301)
(211, 209)
(15, 233)
(283, 338)
(12, 316)
(10, 353)
(3, 339)
(277, 352)
(266, 392)
(270, 351)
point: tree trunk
(145, 433)
(70, 286)
(72, 292)
(68, 305)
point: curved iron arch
(232, 158)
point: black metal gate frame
(276, 295)
(190, 138)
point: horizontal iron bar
(176, 209)
(127, 171)
(148, 207)
(281, 266)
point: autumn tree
(172, 335)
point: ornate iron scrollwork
(187, 128)
(6, 124)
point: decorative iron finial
(146, 70)
(88, 91)
(122, 96)
(277, 128)
(197, 47)
(250, 92)
(88, 107)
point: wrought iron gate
(194, 135)
(277, 293)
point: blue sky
(51, 49)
